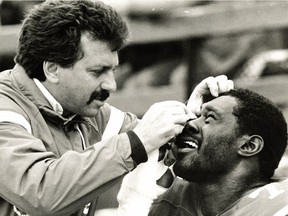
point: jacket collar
(53, 102)
(41, 98)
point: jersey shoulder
(270, 199)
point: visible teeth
(191, 144)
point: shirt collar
(55, 105)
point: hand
(162, 122)
(139, 188)
(210, 86)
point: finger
(194, 106)
(230, 85)
(175, 131)
(192, 115)
(180, 119)
(223, 83)
(197, 111)
(183, 107)
(212, 84)
(191, 104)
(178, 129)
(221, 77)
(177, 110)
(172, 106)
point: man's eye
(97, 73)
(208, 118)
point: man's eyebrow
(208, 107)
(102, 67)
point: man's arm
(39, 183)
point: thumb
(194, 104)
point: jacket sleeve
(38, 183)
(116, 124)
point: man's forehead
(224, 103)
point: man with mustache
(226, 159)
(55, 159)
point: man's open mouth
(186, 144)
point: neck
(218, 195)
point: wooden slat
(212, 20)
(183, 23)
(8, 38)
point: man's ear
(51, 71)
(253, 145)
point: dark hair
(258, 115)
(53, 29)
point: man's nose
(109, 82)
(193, 125)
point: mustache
(101, 95)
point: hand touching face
(210, 86)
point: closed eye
(100, 71)
(209, 117)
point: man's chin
(183, 172)
(179, 170)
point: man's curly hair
(256, 115)
(52, 31)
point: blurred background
(174, 44)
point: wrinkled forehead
(222, 104)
